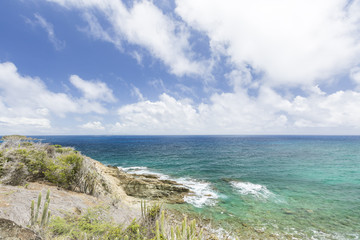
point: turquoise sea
(286, 187)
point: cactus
(178, 233)
(162, 223)
(38, 208)
(172, 233)
(184, 233)
(32, 217)
(157, 231)
(48, 218)
(45, 215)
(47, 199)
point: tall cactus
(157, 231)
(162, 223)
(45, 215)
(186, 231)
(32, 214)
(38, 208)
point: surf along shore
(86, 199)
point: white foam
(128, 169)
(248, 188)
(202, 192)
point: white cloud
(93, 90)
(49, 28)
(24, 121)
(237, 113)
(138, 57)
(166, 116)
(136, 93)
(292, 42)
(26, 100)
(145, 25)
(96, 125)
(339, 109)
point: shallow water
(304, 187)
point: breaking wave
(248, 188)
(201, 194)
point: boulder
(9, 230)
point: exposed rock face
(21, 162)
(11, 231)
(153, 188)
(148, 186)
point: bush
(29, 161)
(63, 170)
(94, 224)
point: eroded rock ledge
(112, 180)
(22, 162)
(149, 186)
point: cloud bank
(292, 43)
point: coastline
(120, 192)
(253, 201)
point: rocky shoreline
(94, 184)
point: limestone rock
(150, 187)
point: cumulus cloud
(49, 28)
(165, 116)
(26, 100)
(93, 90)
(96, 125)
(237, 113)
(143, 24)
(293, 42)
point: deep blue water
(292, 186)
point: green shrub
(26, 144)
(135, 230)
(2, 162)
(36, 163)
(60, 226)
(64, 169)
(64, 150)
(95, 224)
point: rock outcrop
(150, 187)
(22, 162)
(115, 181)
(9, 230)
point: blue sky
(179, 67)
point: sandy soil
(15, 202)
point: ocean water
(285, 187)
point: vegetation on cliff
(15, 137)
(29, 161)
(23, 161)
